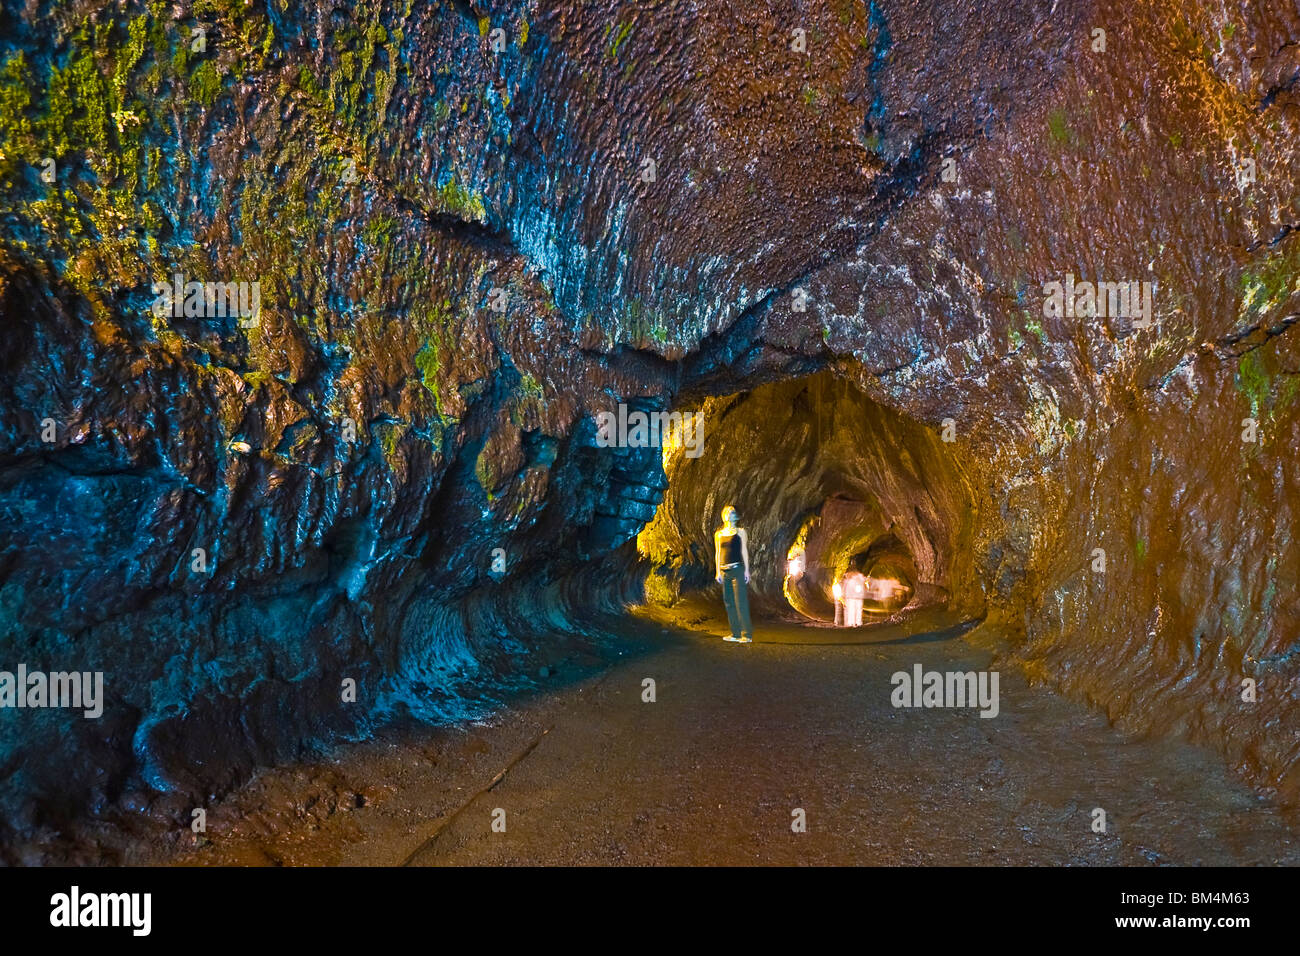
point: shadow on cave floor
(589, 771)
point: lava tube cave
(826, 474)
(555, 433)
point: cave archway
(825, 479)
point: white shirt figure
(855, 589)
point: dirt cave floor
(737, 738)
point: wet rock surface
(465, 253)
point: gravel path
(737, 738)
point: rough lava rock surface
(463, 256)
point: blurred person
(855, 591)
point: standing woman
(731, 559)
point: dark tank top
(731, 549)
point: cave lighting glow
(795, 565)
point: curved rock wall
(463, 255)
(817, 446)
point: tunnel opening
(828, 482)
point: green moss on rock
(205, 83)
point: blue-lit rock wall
(468, 242)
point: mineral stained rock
(474, 225)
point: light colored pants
(737, 601)
(853, 612)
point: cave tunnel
(321, 327)
(825, 480)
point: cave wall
(381, 169)
(787, 451)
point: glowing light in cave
(837, 591)
(883, 589)
(795, 566)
